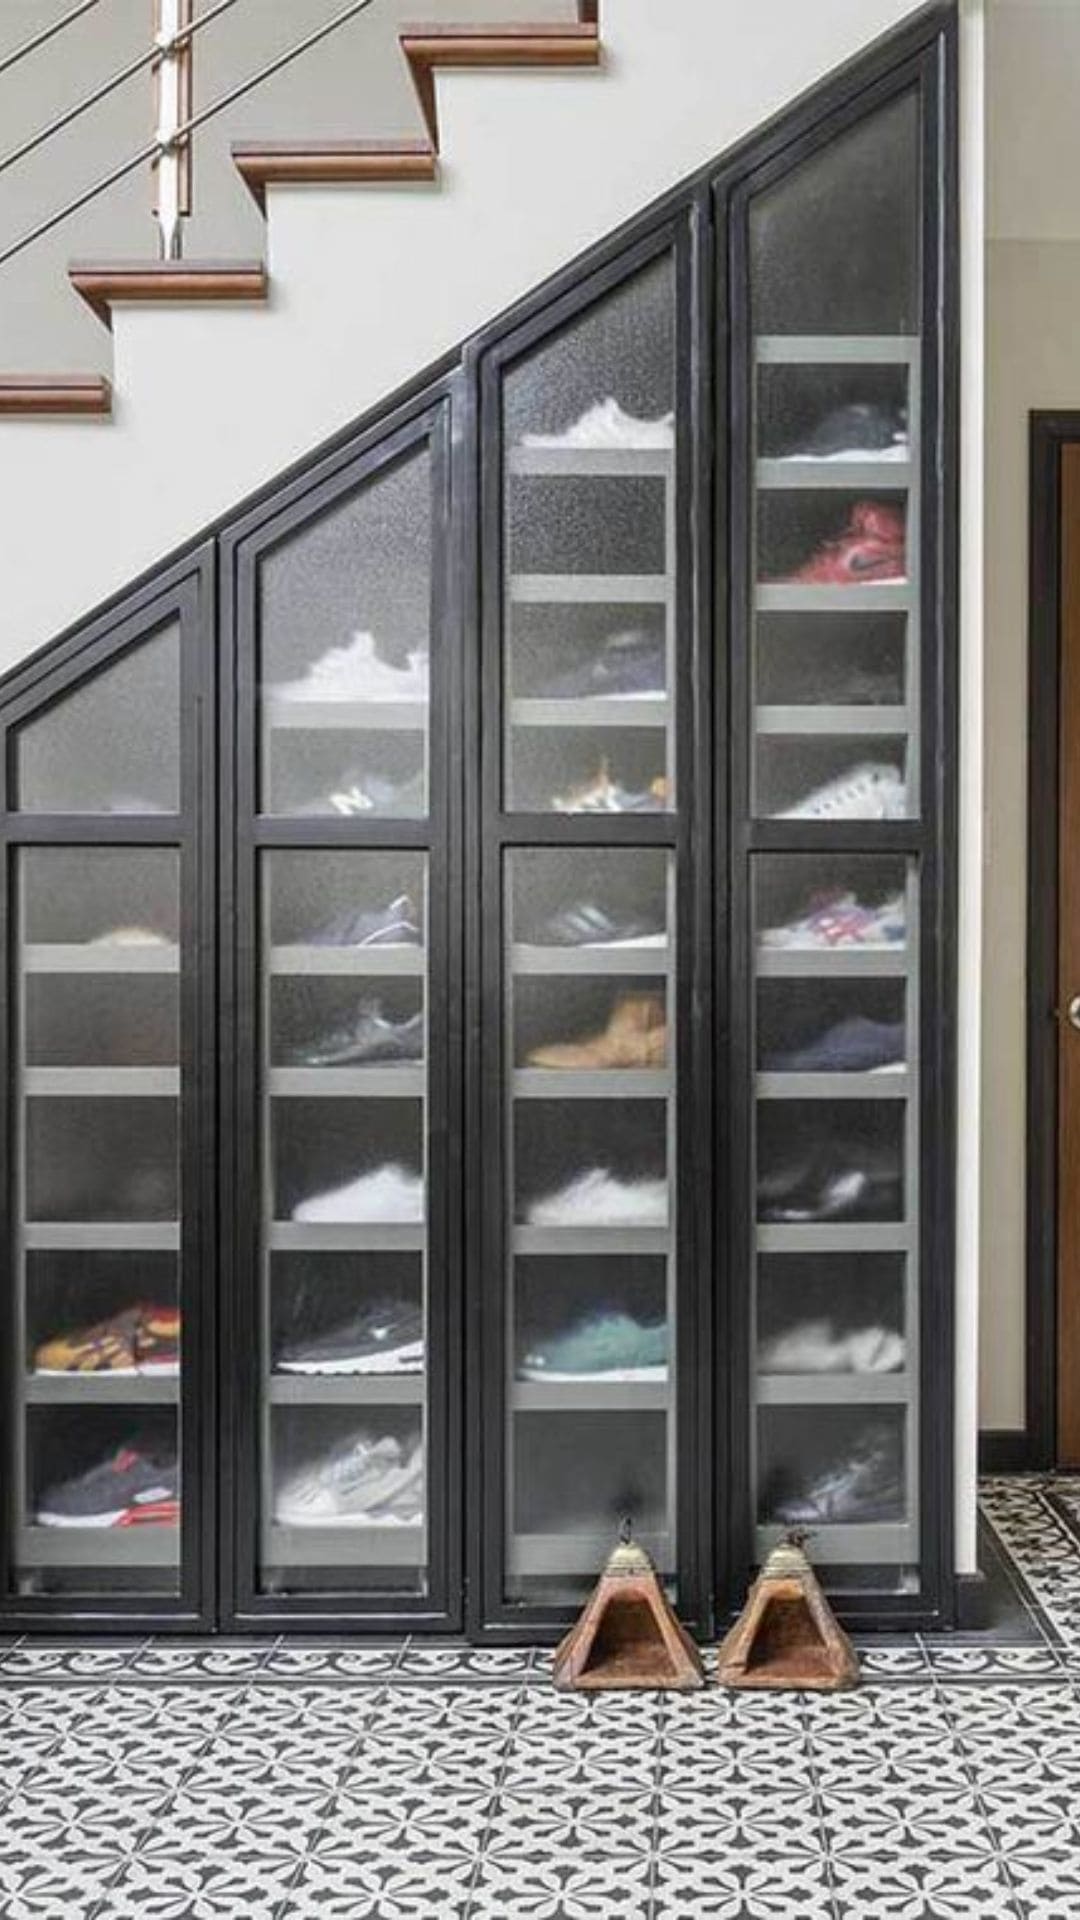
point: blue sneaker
(606, 1346)
(629, 666)
(857, 1045)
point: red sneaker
(872, 547)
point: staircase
(525, 156)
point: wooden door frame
(1035, 1445)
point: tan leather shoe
(635, 1036)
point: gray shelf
(104, 1236)
(834, 1389)
(347, 1389)
(831, 720)
(98, 957)
(833, 1086)
(597, 589)
(344, 1547)
(849, 476)
(891, 596)
(351, 960)
(881, 1542)
(101, 1389)
(346, 1083)
(855, 1236)
(345, 1236)
(140, 1083)
(830, 963)
(569, 1083)
(836, 349)
(614, 712)
(146, 1546)
(616, 960)
(590, 1396)
(347, 716)
(526, 1239)
(606, 462)
(583, 1553)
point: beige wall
(1033, 360)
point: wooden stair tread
(261, 161)
(70, 393)
(102, 282)
(517, 44)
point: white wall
(1033, 360)
(369, 286)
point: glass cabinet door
(346, 876)
(833, 689)
(102, 1468)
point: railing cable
(38, 39)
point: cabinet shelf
(837, 349)
(848, 476)
(351, 960)
(347, 1389)
(617, 960)
(104, 1236)
(830, 963)
(833, 1389)
(98, 957)
(101, 1389)
(346, 1236)
(590, 1396)
(581, 1553)
(597, 462)
(869, 1543)
(526, 1239)
(103, 1082)
(832, 1086)
(891, 596)
(347, 1083)
(595, 589)
(623, 713)
(347, 716)
(100, 1547)
(345, 1546)
(614, 1083)
(812, 719)
(836, 1236)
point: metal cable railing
(156, 149)
(45, 33)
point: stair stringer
(366, 289)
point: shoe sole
(658, 1375)
(408, 1360)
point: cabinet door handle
(1072, 1012)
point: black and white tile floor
(281, 1781)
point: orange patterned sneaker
(157, 1340)
(108, 1347)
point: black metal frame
(702, 224)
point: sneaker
(635, 1036)
(855, 1045)
(357, 671)
(368, 1040)
(387, 1337)
(629, 666)
(605, 424)
(597, 1199)
(815, 1347)
(389, 1193)
(872, 791)
(584, 924)
(605, 1346)
(140, 1339)
(602, 794)
(858, 431)
(838, 920)
(871, 549)
(804, 1195)
(361, 1482)
(131, 937)
(373, 793)
(128, 1488)
(865, 1486)
(396, 925)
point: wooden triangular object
(787, 1634)
(627, 1635)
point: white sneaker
(597, 1199)
(870, 792)
(360, 1483)
(839, 920)
(604, 424)
(357, 672)
(814, 1347)
(389, 1193)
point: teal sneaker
(606, 1346)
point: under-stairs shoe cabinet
(480, 961)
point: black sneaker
(395, 925)
(865, 1486)
(858, 431)
(385, 1338)
(587, 925)
(131, 1487)
(369, 1039)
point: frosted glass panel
(112, 745)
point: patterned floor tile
(404, 1820)
(921, 1886)
(382, 1884)
(738, 1887)
(540, 1825)
(708, 1824)
(579, 1888)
